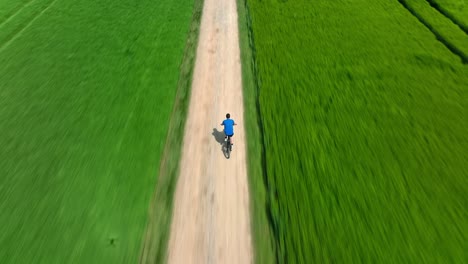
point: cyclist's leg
(230, 138)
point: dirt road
(211, 222)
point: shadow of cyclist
(218, 135)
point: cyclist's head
(228, 115)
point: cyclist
(229, 128)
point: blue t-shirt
(228, 127)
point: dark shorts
(229, 136)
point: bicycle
(227, 146)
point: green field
(444, 29)
(262, 237)
(86, 93)
(363, 115)
(456, 10)
(355, 114)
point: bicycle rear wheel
(228, 149)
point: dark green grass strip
(449, 15)
(262, 225)
(154, 245)
(458, 48)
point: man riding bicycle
(229, 128)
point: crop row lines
(15, 11)
(26, 24)
(440, 36)
(448, 15)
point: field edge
(263, 242)
(157, 231)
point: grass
(158, 226)
(363, 114)
(448, 33)
(262, 237)
(455, 10)
(86, 93)
(10, 8)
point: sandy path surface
(211, 222)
